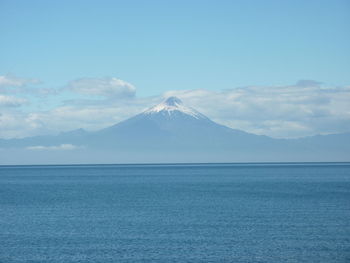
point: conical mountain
(171, 124)
(171, 132)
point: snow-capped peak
(173, 101)
(173, 104)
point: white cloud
(13, 81)
(298, 110)
(10, 84)
(17, 124)
(288, 111)
(62, 147)
(65, 118)
(106, 87)
(9, 101)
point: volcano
(172, 126)
(172, 132)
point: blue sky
(170, 46)
(167, 45)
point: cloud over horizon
(303, 109)
(285, 112)
(61, 147)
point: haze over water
(175, 213)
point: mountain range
(171, 132)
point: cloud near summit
(285, 111)
(303, 109)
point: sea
(277, 212)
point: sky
(279, 68)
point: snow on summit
(174, 104)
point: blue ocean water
(175, 213)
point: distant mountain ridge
(173, 132)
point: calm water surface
(175, 213)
